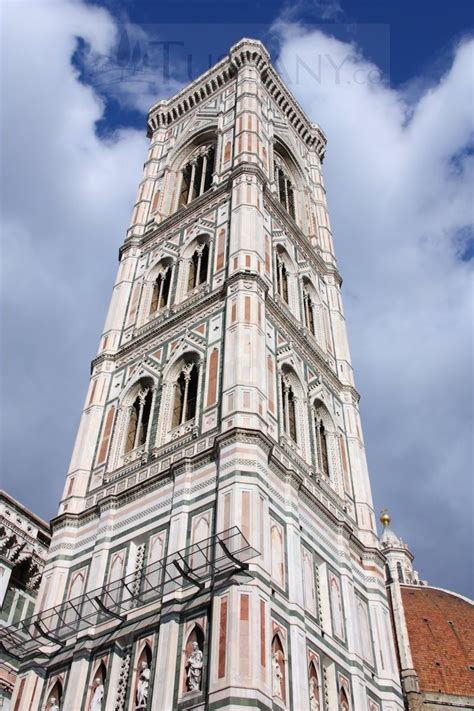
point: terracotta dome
(441, 631)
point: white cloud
(399, 175)
(66, 201)
(137, 70)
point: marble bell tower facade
(215, 546)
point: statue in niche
(277, 676)
(53, 704)
(313, 694)
(194, 666)
(143, 686)
(96, 703)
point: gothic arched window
(289, 409)
(196, 176)
(308, 310)
(401, 578)
(139, 419)
(282, 278)
(322, 446)
(185, 394)
(161, 289)
(198, 266)
(285, 190)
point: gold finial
(385, 517)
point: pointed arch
(293, 410)
(115, 575)
(201, 529)
(97, 688)
(326, 444)
(286, 284)
(142, 675)
(75, 591)
(181, 397)
(191, 170)
(336, 607)
(277, 553)
(311, 308)
(193, 660)
(278, 669)
(289, 181)
(133, 423)
(309, 589)
(314, 688)
(362, 613)
(54, 696)
(158, 286)
(195, 268)
(155, 568)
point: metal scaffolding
(215, 558)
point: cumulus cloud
(139, 68)
(399, 175)
(66, 201)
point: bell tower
(215, 546)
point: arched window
(198, 266)
(161, 289)
(289, 409)
(278, 670)
(313, 688)
(308, 310)
(193, 660)
(343, 700)
(139, 419)
(282, 278)
(285, 190)
(185, 394)
(401, 578)
(196, 176)
(322, 446)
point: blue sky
(391, 85)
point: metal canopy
(221, 555)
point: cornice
(309, 132)
(23, 510)
(148, 337)
(244, 275)
(195, 210)
(40, 550)
(247, 52)
(200, 205)
(314, 492)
